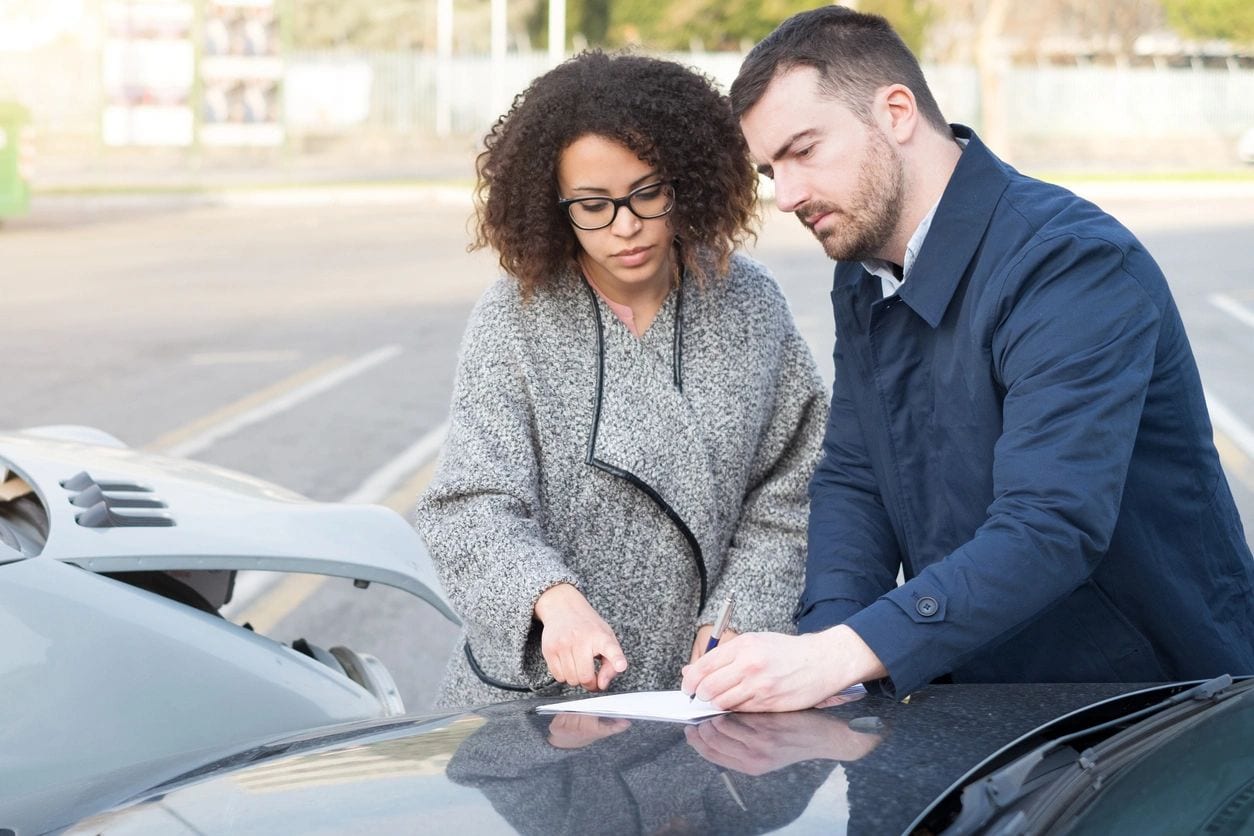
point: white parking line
(272, 407)
(250, 586)
(380, 483)
(1232, 307)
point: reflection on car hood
(209, 519)
(865, 767)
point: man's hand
(574, 731)
(756, 744)
(774, 672)
(574, 637)
(703, 638)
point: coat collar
(963, 216)
(646, 432)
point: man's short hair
(855, 54)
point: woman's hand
(703, 638)
(574, 637)
(574, 731)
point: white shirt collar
(890, 281)
(887, 271)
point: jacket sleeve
(853, 555)
(1073, 347)
(764, 564)
(480, 516)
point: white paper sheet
(675, 706)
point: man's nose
(789, 193)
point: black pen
(720, 624)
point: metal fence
(1039, 102)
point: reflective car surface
(871, 766)
(115, 667)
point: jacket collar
(965, 210)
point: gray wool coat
(657, 475)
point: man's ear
(899, 111)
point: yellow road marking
(403, 499)
(293, 591)
(276, 604)
(1235, 462)
(230, 411)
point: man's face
(840, 176)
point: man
(1017, 420)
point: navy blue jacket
(1022, 430)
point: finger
(730, 747)
(585, 669)
(565, 722)
(613, 661)
(570, 667)
(714, 682)
(605, 674)
(614, 725)
(695, 673)
(735, 731)
(708, 743)
(746, 697)
(726, 688)
(554, 662)
(612, 652)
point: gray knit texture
(515, 507)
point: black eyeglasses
(596, 212)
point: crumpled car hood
(115, 509)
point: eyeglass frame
(619, 203)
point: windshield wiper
(989, 797)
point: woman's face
(631, 254)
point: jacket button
(926, 606)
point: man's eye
(805, 152)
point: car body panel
(221, 520)
(866, 767)
(116, 668)
(98, 677)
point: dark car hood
(866, 767)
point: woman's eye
(649, 193)
(594, 205)
(805, 152)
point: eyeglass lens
(647, 202)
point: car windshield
(1188, 759)
(1195, 775)
(23, 519)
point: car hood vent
(102, 499)
(106, 508)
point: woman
(635, 417)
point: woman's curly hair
(672, 117)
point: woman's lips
(633, 257)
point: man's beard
(864, 230)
